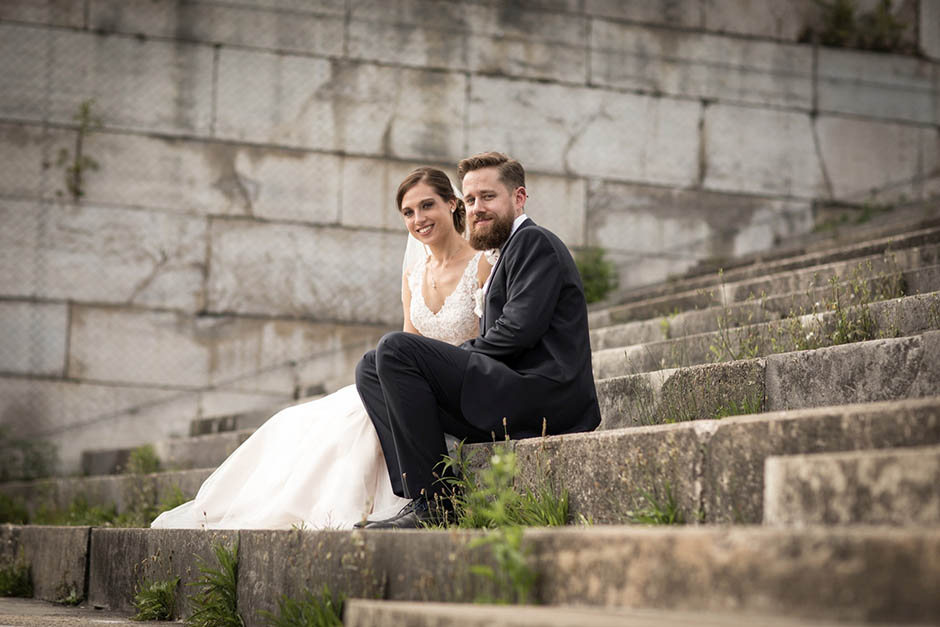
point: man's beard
(499, 231)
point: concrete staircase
(788, 409)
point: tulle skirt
(317, 465)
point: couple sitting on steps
(486, 337)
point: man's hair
(511, 172)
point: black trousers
(411, 386)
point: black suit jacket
(532, 359)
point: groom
(531, 361)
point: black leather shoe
(414, 515)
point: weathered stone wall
(238, 240)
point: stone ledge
(895, 487)
(367, 613)
(870, 574)
(761, 266)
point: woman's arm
(406, 303)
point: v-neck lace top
(456, 321)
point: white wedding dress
(319, 464)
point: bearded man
(530, 366)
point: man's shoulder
(532, 234)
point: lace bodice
(456, 321)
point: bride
(319, 464)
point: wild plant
(215, 604)
(323, 610)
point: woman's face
(427, 216)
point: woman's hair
(440, 183)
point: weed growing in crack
(325, 610)
(216, 602)
(143, 460)
(658, 511)
(156, 599)
(68, 595)
(748, 405)
(15, 579)
(512, 576)
(13, 510)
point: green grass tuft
(310, 610)
(658, 511)
(216, 602)
(15, 579)
(155, 599)
(488, 499)
(13, 511)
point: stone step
(176, 454)
(890, 487)
(909, 316)
(751, 311)
(670, 395)
(887, 369)
(914, 217)
(239, 421)
(123, 491)
(724, 289)
(858, 574)
(888, 318)
(772, 262)
(368, 613)
(711, 470)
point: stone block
(213, 178)
(700, 65)
(424, 565)
(520, 57)
(57, 558)
(85, 253)
(275, 563)
(243, 351)
(612, 476)
(683, 13)
(779, 159)
(895, 487)
(320, 7)
(272, 27)
(870, 84)
(410, 33)
(68, 13)
(337, 105)
(75, 416)
(121, 558)
(23, 71)
(865, 575)
(678, 395)
(316, 272)
(510, 41)
(586, 132)
(558, 203)
(368, 192)
(733, 478)
(929, 36)
(138, 84)
(26, 153)
(108, 345)
(878, 370)
(637, 223)
(863, 157)
(761, 18)
(34, 338)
